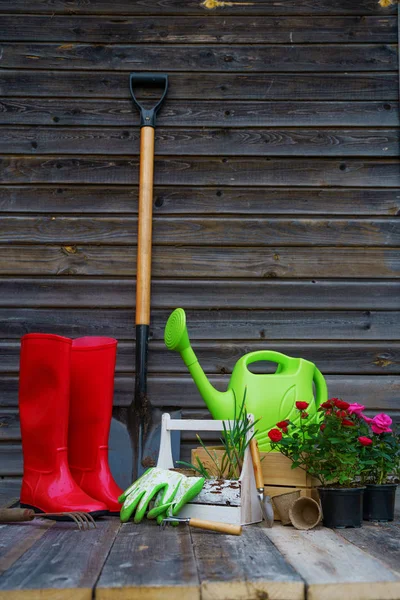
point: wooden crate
(204, 458)
(277, 470)
(228, 501)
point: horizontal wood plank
(9, 494)
(331, 566)
(243, 567)
(16, 540)
(9, 428)
(221, 86)
(215, 29)
(73, 292)
(377, 393)
(201, 200)
(126, 573)
(219, 357)
(208, 325)
(234, 171)
(60, 566)
(227, 231)
(382, 542)
(202, 262)
(11, 465)
(202, 142)
(209, 113)
(193, 7)
(204, 58)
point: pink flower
(381, 423)
(366, 419)
(355, 409)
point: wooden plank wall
(277, 188)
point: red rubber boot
(48, 485)
(92, 391)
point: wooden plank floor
(43, 560)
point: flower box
(223, 500)
(279, 477)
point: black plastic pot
(342, 507)
(379, 501)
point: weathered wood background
(277, 188)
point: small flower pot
(283, 503)
(305, 513)
(379, 501)
(341, 507)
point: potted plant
(381, 459)
(328, 447)
(224, 461)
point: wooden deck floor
(43, 560)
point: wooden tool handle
(214, 526)
(13, 515)
(143, 274)
(255, 455)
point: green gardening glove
(154, 481)
(188, 489)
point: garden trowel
(265, 501)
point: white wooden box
(227, 501)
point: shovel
(265, 501)
(142, 418)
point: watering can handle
(270, 355)
(321, 389)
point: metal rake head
(83, 520)
(173, 521)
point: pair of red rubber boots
(66, 392)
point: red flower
(341, 404)
(322, 426)
(284, 429)
(328, 412)
(365, 441)
(304, 415)
(342, 414)
(275, 435)
(283, 424)
(327, 404)
(348, 423)
(301, 405)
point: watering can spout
(220, 404)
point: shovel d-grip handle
(148, 115)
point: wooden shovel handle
(255, 455)
(14, 515)
(145, 217)
(214, 526)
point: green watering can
(270, 397)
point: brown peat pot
(283, 503)
(305, 513)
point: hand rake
(15, 515)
